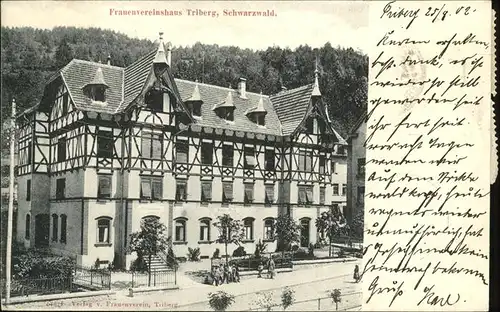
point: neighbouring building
(108, 146)
(356, 169)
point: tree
(265, 301)
(149, 240)
(64, 54)
(230, 231)
(287, 298)
(330, 222)
(336, 297)
(287, 231)
(220, 301)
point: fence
(81, 279)
(350, 301)
(163, 278)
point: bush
(287, 298)
(239, 252)
(220, 300)
(216, 254)
(295, 248)
(139, 264)
(34, 265)
(194, 254)
(171, 260)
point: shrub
(295, 248)
(336, 297)
(265, 301)
(34, 265)
(260, 248)
(171, 260)
(216, 254)
(139, 264)
(287, 298)
(194, 254)
(220, 300)
(239, 252)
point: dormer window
(194, 102)
(96, 89)
(98, 93)
(258, 113)
(225, 109)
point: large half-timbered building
(108, 146)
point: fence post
(154, 277)
(91, 277)
(319, 304)
(175, 275)
(132, 274)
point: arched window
(205, 229)
(103, 229)
(27, 227)
(268, 229)
(64, 221)
(248, 228)
(55, 227)
(180, 229)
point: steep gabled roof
(135, 76)
(213, 95)
(78, 73)
(291, 106)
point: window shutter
(104, 187)
(145, 189)
(157, 187)
(309, 192)
(228, 191)
(269, 194)
(157, 146)
(146, 145)
(249, 192)
(206, 191)
(302, 195)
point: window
(305, 161)
(151, 145)
(309, 125)
(344, 189)
(270, 160)
(99, 93)
(181, 151)
(180, 190)
(180, 230)
(64, 224)
(308, 161)
(335, 189)
(269, 194)
(249, 158)
(227, 191)
(104, 187)
(322, 164)
(341, 150)
(261, 119)
(195, 108)
(333, 166)
(55, 225)
(248, 228)
(154, 100)
(205, 230)
(226, 113)
(305, 195)
(28, 190)
(103, 228)
(105, 144)
(227, 155)
(207, 150)
(60, 188)
(65, 104)
(249, 193)
(361, 167)
(268, 229)
(27, 227)
(61, 149)
(206, 191)
(322, 195)
(361, 195)
(151, 188)
(30, 152)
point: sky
(307, 22)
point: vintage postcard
(246, 156)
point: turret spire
(316, 91)
(160, 57)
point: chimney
(242, 88)
(169, 54)
(109, 59)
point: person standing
(356, 273)
(260, 268)
(271, 266)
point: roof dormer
(194, 102)
(225, 109)
(96, 88)
(258, 113)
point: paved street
(308, 283)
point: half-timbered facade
(356, 169)
(108, 146)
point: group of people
(225, 273)
(271, 268)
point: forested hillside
(30, 56)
